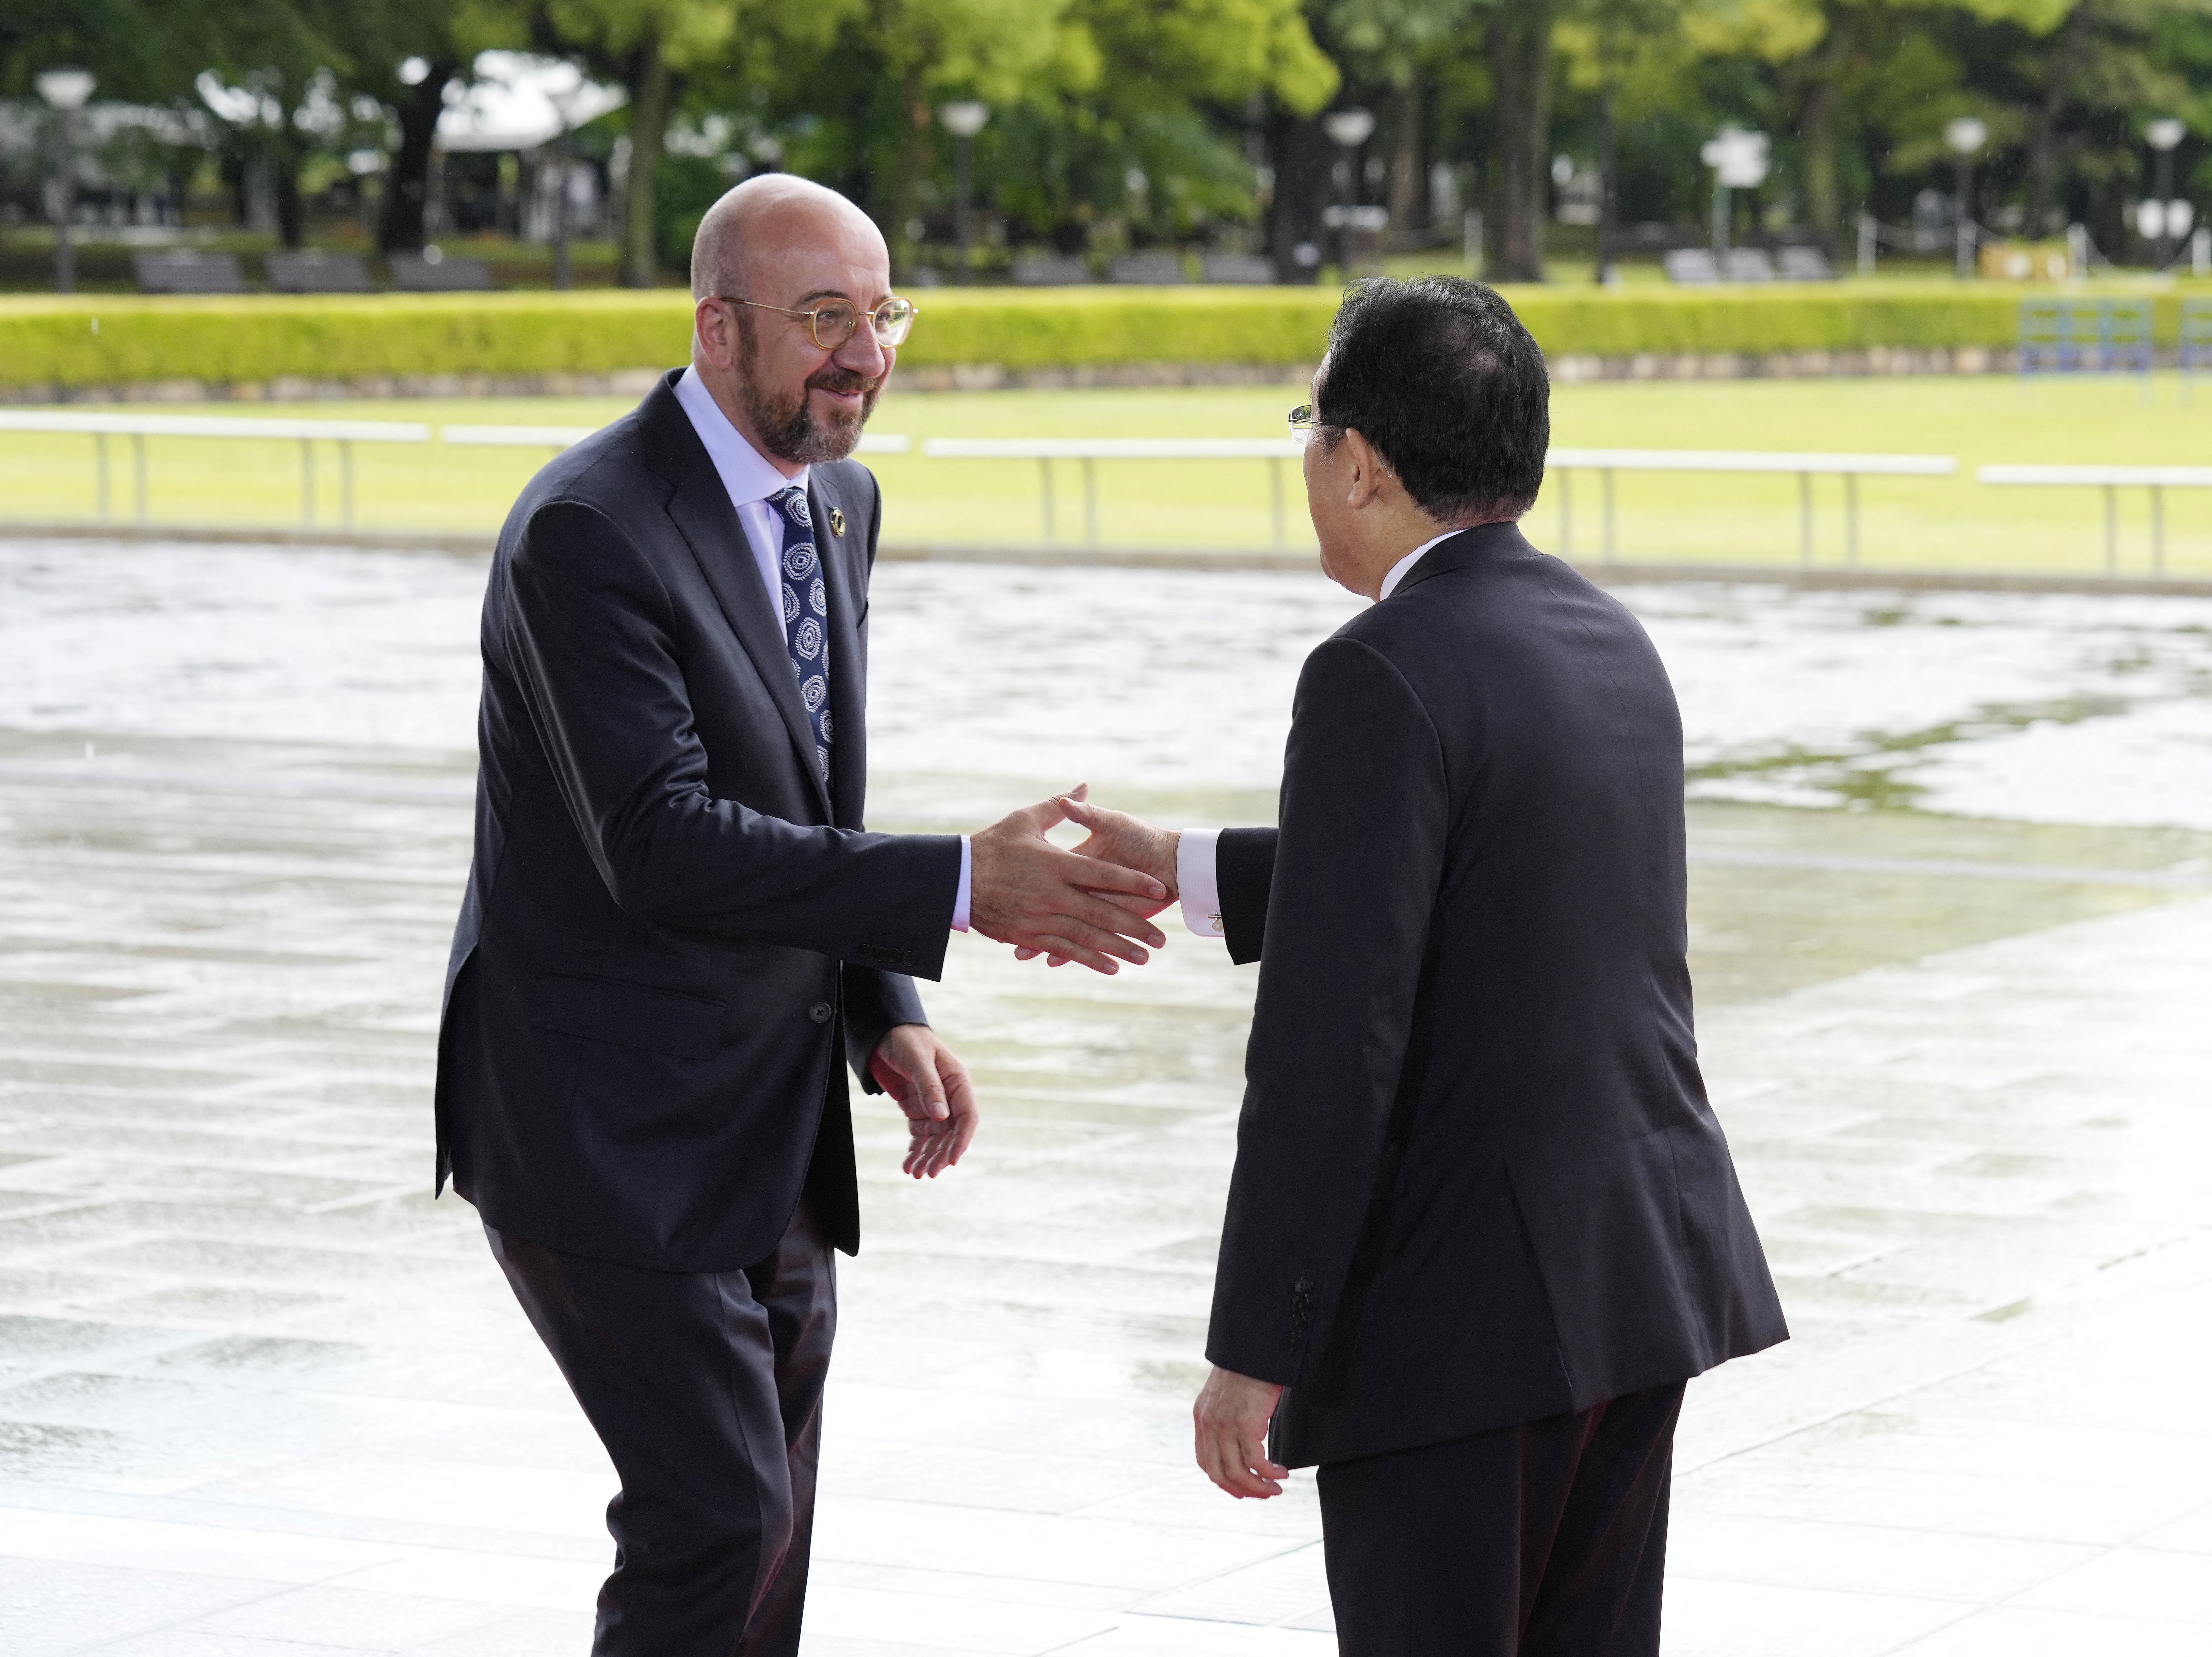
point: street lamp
(964, 121)
(1347, 129)
(2163, 135)
(1966, 134)
(1739, 161)
(64, 91)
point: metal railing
(138, 427)
(2111, 479)
(344, 433)
(1563, 462)
(564, 437)
(1090, 451)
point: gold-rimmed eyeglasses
(833, 324)
(1304, 422)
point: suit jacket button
(820, 1012)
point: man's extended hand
(1025, 891)
(931, 1087)
(1231, 1416)
(1118, 837)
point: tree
(646, 46)
(1394, 44)
(1517, 42)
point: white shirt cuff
(1195, 880)
(960, 898)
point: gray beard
(788, 425)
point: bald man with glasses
(677, 934)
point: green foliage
(53, 343)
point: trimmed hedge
(120, 340)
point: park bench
(1250, 268)
(186, 270)
(2084, 335)
(1807, 264)
(432, 271)
(1150, 269)
(1050, 270)
(1690, 267)
(312, 272)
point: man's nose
(864, 353)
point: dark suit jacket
(1478, 1182)
(668, 929)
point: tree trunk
(1520, 47)
(1406, 179)
(1816, 139)
(649, 92)
(285, 155)
(912, 125)
(2057, 93)
(1815, 82)
(1294, 147)
(407, 185)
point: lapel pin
(836, 521)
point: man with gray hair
(677, 932)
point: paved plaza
(261, 1397)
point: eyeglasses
(833, 324)
(1304, 422)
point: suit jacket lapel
(701, 509)
(848, 667)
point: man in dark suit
(677, 932)
(1483, 1224)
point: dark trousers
(1543, 1540)
(706, 1388)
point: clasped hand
(1122, 843)
(1070, 905)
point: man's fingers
(1109, 917)
(929, 1089)
(1093, 876)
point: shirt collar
(1398, 570)
(745, 473)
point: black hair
(1440, 376)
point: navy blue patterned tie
(805, 616)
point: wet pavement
(260, 1396)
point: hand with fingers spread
(1027, 892)
(932, 1086)
(1231, 1417)
(1117, 837)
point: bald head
(766, 221)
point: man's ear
(715, 329)
(1368, 467)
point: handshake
(1093, 905)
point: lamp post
(964, 121)
(1347, 129)
(64, 91)
(1966, 134)
(2164, 135)
(1739, 161)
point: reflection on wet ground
(260, 1396)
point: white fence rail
(342, 433)
(138, 427)
(2111, 479)
(1090, 451)
(1564, 463)
(563, 437)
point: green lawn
(1905, 523)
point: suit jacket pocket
(628, 1015)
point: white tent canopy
(518, 102)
